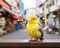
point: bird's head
(33, 19)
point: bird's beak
(29, 20)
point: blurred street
(41, 18)
(15, 14)
(22, 34)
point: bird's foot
(39, 40)
(30, 39)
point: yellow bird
(33, 28)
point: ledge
(26, 43)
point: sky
(29, 4)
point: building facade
(50, 11)
(5, 4)
(14, 6)
(39, 10)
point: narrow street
(22, 34)
(17, 15)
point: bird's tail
(41, 38)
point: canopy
(17, 18)
(9, 11)
(20, 19)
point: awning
(56, 11)
(20, 19)
(14, 17)
(9, 11)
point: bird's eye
(34, 18)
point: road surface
(22, 34)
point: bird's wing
(41, 30)
(35, 31)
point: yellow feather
(33, 27)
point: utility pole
(45, 15)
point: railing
(9, 43)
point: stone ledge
(25, 43)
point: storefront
(57, 17)
(54, 21)
(5, 20)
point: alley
(34, 15)
(22, 34)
